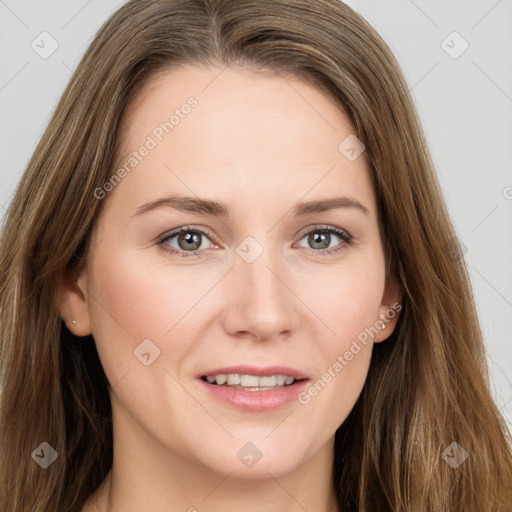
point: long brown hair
(427, 385)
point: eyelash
(346, 240)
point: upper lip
(260, 371)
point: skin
(260, 144)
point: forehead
(217, 131)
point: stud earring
(74, 322)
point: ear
(71, 299)
(389, 310)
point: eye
(192, 241)
(187, 241)
(320, 239)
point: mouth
(254, 389)
(250, 382)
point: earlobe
(389, 310)
(71, 299)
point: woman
(229, 280)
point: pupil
(317, 240)
(189, 240)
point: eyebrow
(220, 209)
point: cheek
(349, 307)
(347, 300)
(135, 297)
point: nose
(260, 300)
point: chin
(254, 460)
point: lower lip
(256, 401)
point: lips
(255, 389)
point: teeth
(281, 379)
(233, 379)
(268, 381)
(221, 378)
(250, 381)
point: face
(241, 244)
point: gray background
(464, 100)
